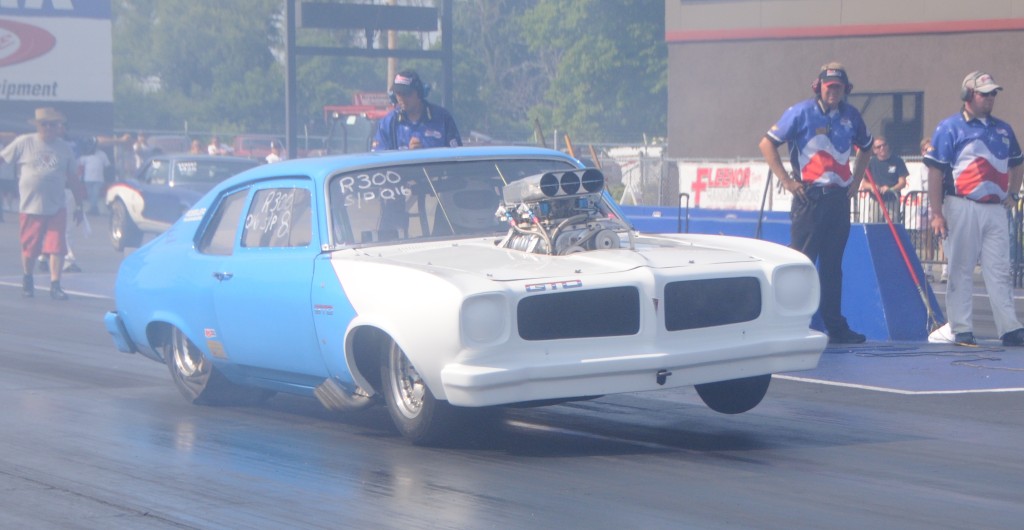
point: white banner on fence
(740, 185)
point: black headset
(816, 84)
(414, 82)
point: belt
(958, 196)
(826, 190)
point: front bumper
(489, 383)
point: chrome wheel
(405, 384)
(417, 414)
(123, 232)
(199, 381)
(189, 368)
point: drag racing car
(440, 282)
(161, 190)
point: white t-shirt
(93, 166)
(43, 171)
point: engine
(559, 212)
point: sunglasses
(879, 146)
(991, 94)
(48, 123)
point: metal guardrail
(912, 211)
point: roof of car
(320, 168)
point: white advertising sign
(56, 51)
(731, 186)
(740, 185)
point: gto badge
(553, 286)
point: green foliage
(607, 64)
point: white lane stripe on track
(895, 390)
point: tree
(209, 64)
(607, 63)
(497, 78)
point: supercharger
(560, 213)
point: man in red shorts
(45, 165)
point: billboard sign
(56, 53)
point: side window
(158, 172)
(219, 236)
(279, 217)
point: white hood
(482, 257)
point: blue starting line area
(919, 368)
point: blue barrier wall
(880, 297)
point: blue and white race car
(441, 281)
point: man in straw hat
(46, 165)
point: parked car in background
(161, 190)
(442, 282)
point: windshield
(425, 200)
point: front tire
(735, 395)
(123, 231)
(417, 414)
(199, 381)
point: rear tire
(417, 414)
(123, 231)
(735, 395)
(199, 381)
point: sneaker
(965, 339)
(847, 336)
(28, 287)
(71, 267)
(1014, 338)
(56, 292)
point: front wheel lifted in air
(735, 395)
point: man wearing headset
(822, 133)
(974, 173)
(414, 122)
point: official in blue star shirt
(414, 122)
(975, 172)
(822, 133)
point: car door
(262, 296)
(161, 203)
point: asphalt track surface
(878, 436)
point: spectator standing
(414, 122)
(922, 185)
(142, 149)
(216, 148)
(275, 152)
(889, 173)
(822, 133)
(46, 166)
(93, 164)
(8, 183)
(196, 148)
(974, 174)
(922, 175)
